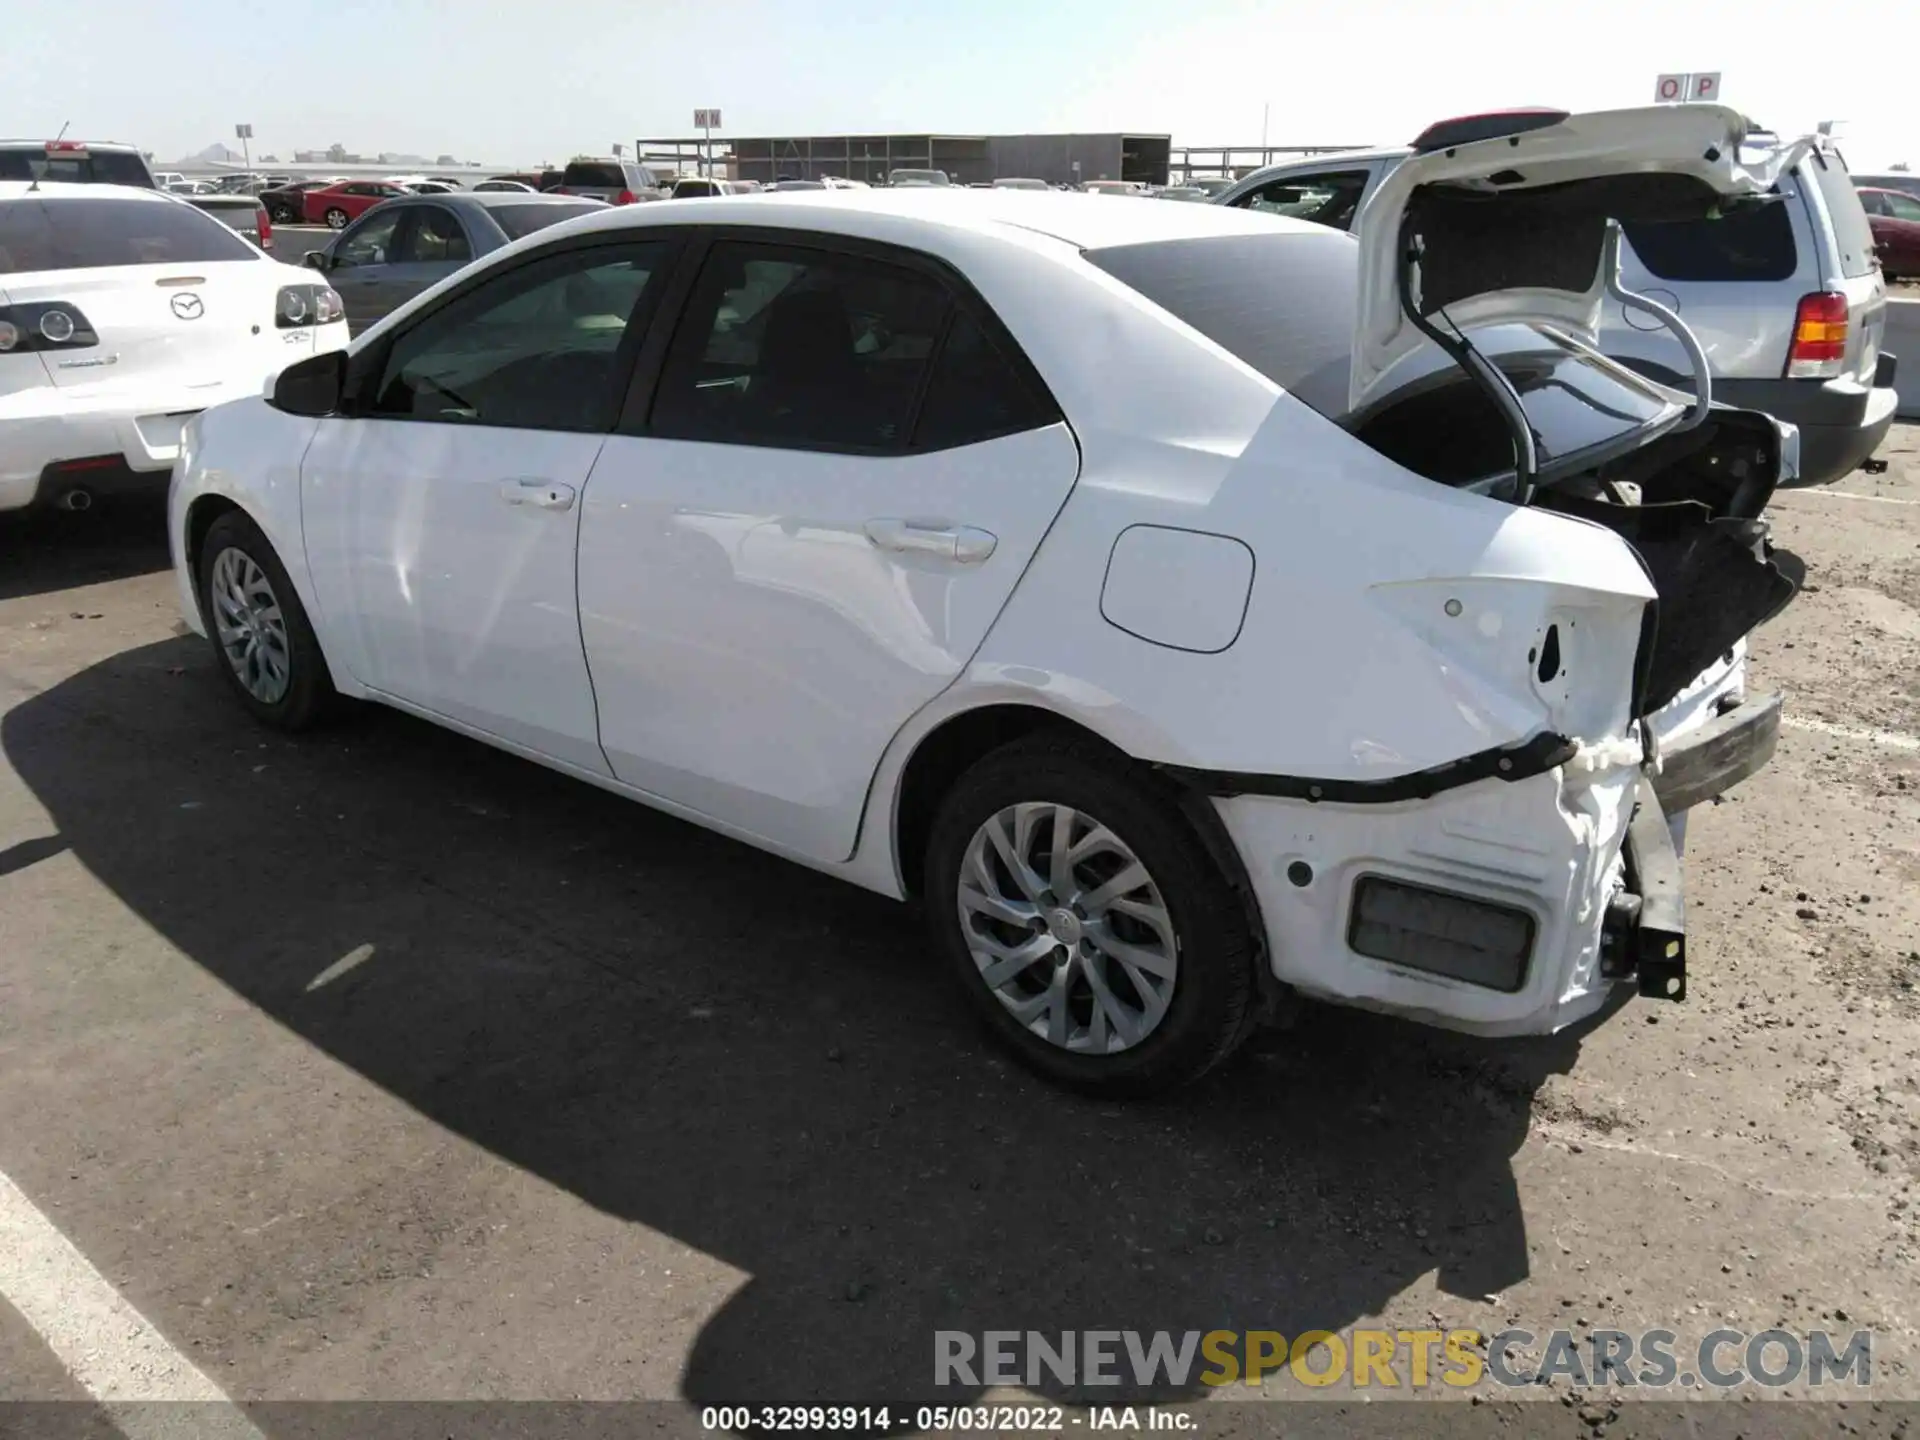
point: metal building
(967, 159)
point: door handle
(537, 494)
(964, 543)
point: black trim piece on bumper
(1719, 755)
(1513, 762)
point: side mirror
(316, 260)
(312, 386)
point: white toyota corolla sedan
(1192, 610)
(123, 312)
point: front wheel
(261, 637)
(336, 219)
(1090, 928)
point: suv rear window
(595, 176)
(1283, 303)
(1852, 235)
(518, 220)
(1755, 244)
(87, 234)
(94, 167)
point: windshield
(917, 177)
(518, 220)
(85, 234)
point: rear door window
(79, 233)
(800, 348)
(1852, 236)
(1753, 244)
(434, 238)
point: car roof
(487, 199)
(71, 190)
(83, 144)
(1082, 221)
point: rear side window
(1282, 303)
(518, 220)
(977, 391)
(1754, 244)
(1331, 198)
(595, 177)
(1852, 236)
(86, 234)
(106, 167)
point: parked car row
(874, 532)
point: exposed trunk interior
(1689, 503)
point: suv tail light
(265, 222)
(625, 197)
(1819, 347)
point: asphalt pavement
(377, 1064)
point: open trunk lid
(1503, 219)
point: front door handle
(537, 494)
(964, 543)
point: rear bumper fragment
(1719, 755)
(1644, 935)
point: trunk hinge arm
(1696, 355)
(1526, 460)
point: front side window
(809, 349)
(434, 239)
(370, 242)
(538, 348)
(1331, 199)
(80, 233)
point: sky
(512, 82)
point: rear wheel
(336, 219)
(1088, 925)
(260, 634)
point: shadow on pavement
(759, 1061)
(42, 551)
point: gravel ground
(379, 1065)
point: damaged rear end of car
(1463, 795)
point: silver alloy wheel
(336, 219)
(1067, 928)
(252, 631)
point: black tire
(1215, 990)
(336, 219)
(309, 698)
(283, 215)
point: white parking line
(1851, 495)
(1891, 738)
(105, 1344)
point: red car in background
(1895, 218)
(337, 206)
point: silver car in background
(1787, 299)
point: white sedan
(122, 313)
(1177, 602)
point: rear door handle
(964, 543)
(537, 494)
